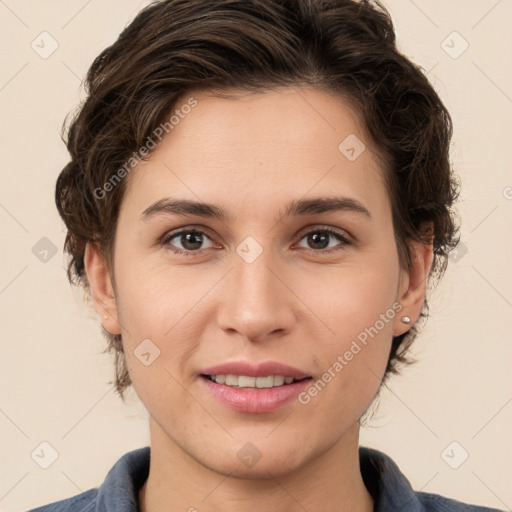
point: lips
(255, 388)
(263, 369)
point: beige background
(55, 378)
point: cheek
(351, 370)
(349, 298)
(359, 307)
(155, 298)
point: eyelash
(166, 239)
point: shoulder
(118, 492)
(392, 491)
(437, 503)
(83, 502)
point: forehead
(240, 148)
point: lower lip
(256, 400)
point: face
(281, 284)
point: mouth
(254, 387)
(246, 381)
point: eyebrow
(300, 207)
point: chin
(261, 470)
(246, 461)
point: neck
(178, 482)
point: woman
(257, 197)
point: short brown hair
(176, 46)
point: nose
(258, 303)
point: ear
(102, 290)
(413, 285)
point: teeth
(265, 382)
(243, 381)
(231, 380)
(278, 380)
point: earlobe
(413, 287)
(102, 290)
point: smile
(244, 381)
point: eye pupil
(191, 238)
(317, 238)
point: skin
(251, 154)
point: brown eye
(191, 241)
(318, 240)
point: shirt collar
(120, 490)
(390, 489)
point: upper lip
(262, 369)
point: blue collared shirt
(390, 489)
